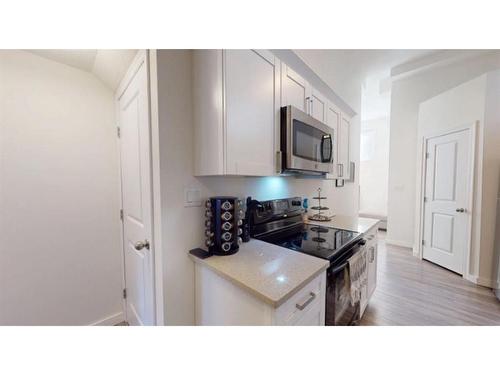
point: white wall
(183, 227)
(475, 101)
(406, 96)
(374, 171)
(60, 259)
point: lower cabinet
(220, 302)
(371, 283)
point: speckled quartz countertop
(271, 273)
(354, 223)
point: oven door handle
(339, 268)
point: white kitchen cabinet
(295, 90)
(318, 106)
(333, 117)
(220, 302)
(372, 248)
(236, 112)
(343, 162)
(371, 267)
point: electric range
(280, 222)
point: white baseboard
(488, 283)
(399, 243)
(110, 320)
(485, 282)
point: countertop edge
(256, 293)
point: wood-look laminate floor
(413, 292)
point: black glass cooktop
(315, 240)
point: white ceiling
(108, 65)
(346, 70)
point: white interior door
(136, 197)
(446, 213)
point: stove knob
(208, 223)
(226, 246)
(208, 204)
(226, 236)
(240, 231)
(240, 223)
(226, 205)
(240, 241)
(227, 225)
(208, 233)
(209, 243)
(227, 216)
(241, 214)
(239, 203)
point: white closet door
(446, 212)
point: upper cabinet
(318, 106)
(236, 112)
(333, 117)
(295, 90)
(237, 95)
(343, 148)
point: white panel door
(319, 105)
(295, 90)
(446, 214)
(136, 198)
(252, 96)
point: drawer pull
(312, 296)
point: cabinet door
(208, 112)
(343, 148)
(312, 317)
(252, 110)
(295, 90)
(318, 106)
(333, 117)
(372, 268)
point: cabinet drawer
(309, 297)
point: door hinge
(423, 242)
(427, 155)
(121, 215)
(118, 132)
(425, 199)
(124, 293)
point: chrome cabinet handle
(312, 296)
(339, 170)
(308, 105)
(139, 245)
(460, 210)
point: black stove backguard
(223, 222)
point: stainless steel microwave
(306, 143)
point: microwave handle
(330, 159)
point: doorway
(446, 199)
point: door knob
(460, 210)
(139, 245)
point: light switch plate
(192, 197)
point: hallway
(415, 292)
